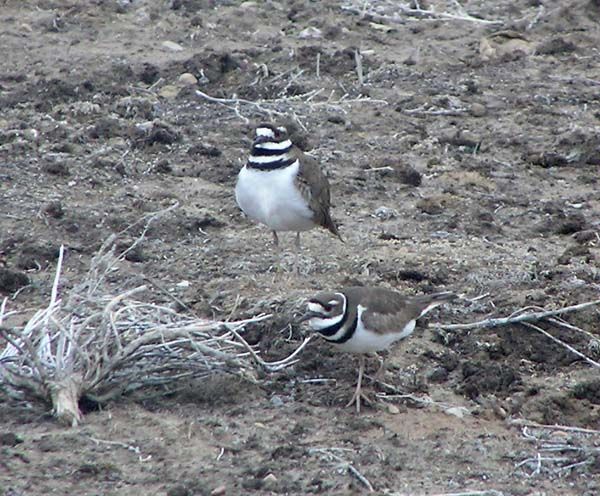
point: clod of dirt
(480, 378)
(546, 159)
(589, 390)
(212, 65)
(149, 74)
(463, 139)
(431, 206)
(505, 45)
(401, 172)
(10, 439)
(556, 46)
(572, 223)
(571, 252)
(150, 133)
(12, 280)
(586, 236)
(205, 150)
(54, 209)
(105, 128)
(105, 470)
(56, 168)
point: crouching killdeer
(366, 319)
(281, 187)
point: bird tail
(330, 225)
(431, 301)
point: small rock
(438, 374)
(310, 33)
(276, 401)
(188, 79)
(431, 206)
(385, 213)
(457, 411)
(169, 91)
(269, 483)
(478, 110)
(248, 5)
(219, 491)
(171, 45)
(393, 409)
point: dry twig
(344, 466)
(394, 12)
(515, 319)
(557, 457)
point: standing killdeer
(281, 187)
(366, 319)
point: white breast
(270, 197)
(366, 341)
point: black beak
(307, 316)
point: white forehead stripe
(314, 307)
(272, 145)
(265, 131)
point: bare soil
(466, 161)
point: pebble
(393, 409)
(385, 213)
(188, 79)
(478, 110)
(457, 411)
(169, 91)
(171, 45)
(219, 491)
(276, 401)
(310, 33)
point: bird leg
(358, 394)
(275, 238)
(297, 254)
(380, 374)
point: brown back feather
(389, 310)
(314, 186)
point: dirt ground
(467, 160)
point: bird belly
(366, 341)
(271, 198)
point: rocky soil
(461, 143)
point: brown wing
(389, 311)
(314, 186)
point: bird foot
(356, 400)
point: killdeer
(367, 319)
(283, 188)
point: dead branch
(286, 106)
(514, 319)
(566, 428)
(397, 13)
(562, 343)
(557, 457)
(329, 453)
